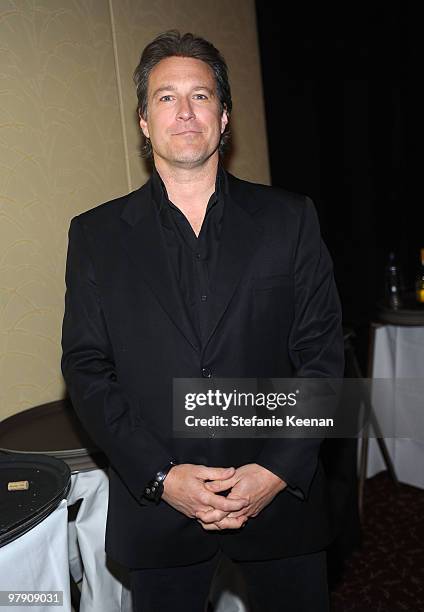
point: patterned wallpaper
(69, 140)
(231, 27)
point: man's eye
(166, 98)
(200, 96)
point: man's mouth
(187, 132)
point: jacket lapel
(144, 243)
(239, 241)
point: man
(199, 274)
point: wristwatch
(154, 488)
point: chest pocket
(274, 282)
(272, 304)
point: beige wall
(69, 140)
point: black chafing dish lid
(20, 510)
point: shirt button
(204, 298)
(206, 373)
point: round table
(54, 429)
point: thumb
(217, 473)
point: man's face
(184, 121)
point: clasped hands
(194, 491)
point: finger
(216, 486)
(244, 512)
(232, 523)
(209, 526)
(225, 503)
(204, 510)
(215, 473)
(212, 516)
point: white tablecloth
(38, 561)
(103, 583)
(399, 354)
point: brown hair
(175, 44)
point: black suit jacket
(126, 334)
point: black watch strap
(154, 488)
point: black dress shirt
(193, 258)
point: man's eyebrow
(163, 88)
(173, 88)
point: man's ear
(224, 119)
(143, 125)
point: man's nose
(185, 110)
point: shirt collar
(160, 194)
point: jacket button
(206, 373)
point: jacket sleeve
(315, 347)
(101, 404)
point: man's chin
(190, 161)
(189, 158)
